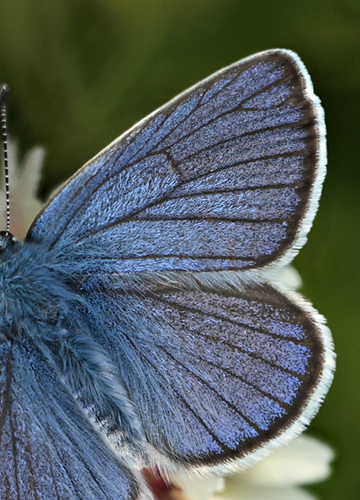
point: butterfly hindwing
(48, 449)
(217, 365)
(225, 176)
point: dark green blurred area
(82, 72)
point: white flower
(24, 182)
(289, 277)
(279, 477)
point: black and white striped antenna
(3, 99)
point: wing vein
(200, 420)
(226, 319)
(232, 110)
(284, 405)
(216, 191)
(259, 131)
(222, 398)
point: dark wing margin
(225, 176)
(48, 449)
(221, 369)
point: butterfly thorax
(33, 295)
(8, 245)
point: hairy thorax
(34, 297)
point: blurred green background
(82, 72)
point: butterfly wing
(48, 449)
(225, 176)
(218, 366)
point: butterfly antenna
(3, 99)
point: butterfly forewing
(222, 177)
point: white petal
(196, 487)
(30, 173)
(13, 161)
(286, 277)
(289, 277)
(303, 461)
(256, 493)
(2, 210)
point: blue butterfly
(140, 320)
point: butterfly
(141, 322)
